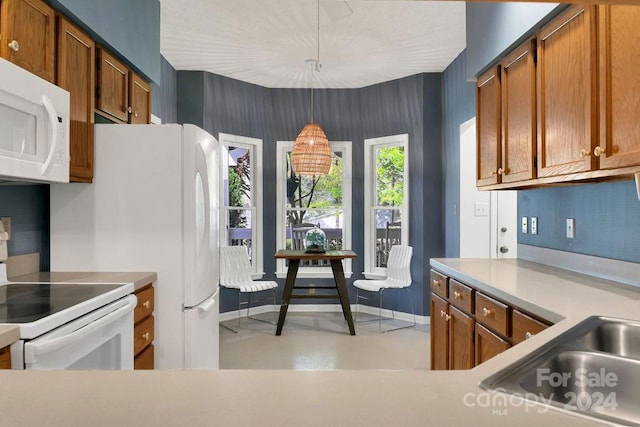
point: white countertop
(295, 398)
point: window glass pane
(239, 231)
(239, 177)
(388, 233)
(390, 176)
(315, 191)
(331, 221)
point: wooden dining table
(335, 258)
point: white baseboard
(326, 308)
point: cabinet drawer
(493, 314)
(461, 296)
(145, 304)
(144, 360)
(525, 326)
(439, 284)
(5, 358)
(143, 335)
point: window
(241, 218)
(386, 198)
(324, 201)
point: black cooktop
(28, 302)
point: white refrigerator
(153, 206)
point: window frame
(254, 145)
(281, 170)
(370, 180)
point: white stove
(69, 325)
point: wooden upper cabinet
(566, 71)
(619, 78)
(518, 86)
(488, 127)
(27, 35)
(112, 97)
(140, 98)
(76, 73)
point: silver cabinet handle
(598, 151)
(14, 45)
(528, 335)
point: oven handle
(31, 351)
(53, 128)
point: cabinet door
(76, 73)
(27, 36)
(525, 326)
(566, 99)
(518, 86)
(488, 127)
(619, 62)
(144, 360)
(5, 358)
(461, 330)
(488, 344)
(113, 87)
(439, 334)
(140, 98)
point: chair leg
(412, 312)
(229, 327)
(255, 318)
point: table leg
(292, 271)
(338, 275)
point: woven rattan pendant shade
(311, 153)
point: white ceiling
(267, 42)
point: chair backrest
(399, 265)
(235, 267)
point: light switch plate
(481, 209)
(525, 225)
(571, 228)
(534, 225)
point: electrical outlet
(525, 225)
(6, 222)
(571, 228)
(534, 225)
(481, 209)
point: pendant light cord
(315, 67)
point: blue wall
(607, 219)
(130, 28)
(494, 28)
(458, 106)
(164, 97)
(411, 105)
(28, 207)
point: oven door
(102, 339)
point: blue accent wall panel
(164, 97)
(607, 219)
(129, 28)
(28, 207)
(458, 104)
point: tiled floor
(321, 341)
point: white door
(201, 225)
(202, 334)
(488, 219)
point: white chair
(235, 273)
(398, 277)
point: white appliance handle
(54, 344)
(53, 129)
(205, 307)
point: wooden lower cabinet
(439, 333)
(461, 328)
(5, 358)
(469, 327)
(488, 344)
(143, 330)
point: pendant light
(311, 153)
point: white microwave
(34, 127)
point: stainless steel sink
(592, 369)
